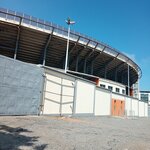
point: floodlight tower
(69, 22)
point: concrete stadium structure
(99, 80)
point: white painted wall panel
(141, 109)
(53, 78)
(53, 87)
(84, 97)
(102, 103)
(58, 90)
(51, 107)
(67, 82)
(66, 99)
(67, 96)
(85, 93)
(135, 107)
(53, 97)
(128, 106)
(146, 110)
(118, 97)
(67, 109)
(68, 91)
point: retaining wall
(20, 87)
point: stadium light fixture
(69, 22)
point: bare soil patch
(81, 133)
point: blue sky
(123, 24)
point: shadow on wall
(12, 139)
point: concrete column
(105, 75)
(116, 73)
(128, 80)
(85, 66)
(77, 62)
(92, 67)
(17, 40)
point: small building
(145, 97)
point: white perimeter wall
(118, 96)
(52, 95)
(146, 110)
(128, 106)
(68, 95)
(131, 107)
(58, 95)
(135, 106)
(141, 109)
(102, 102)
(84, 97)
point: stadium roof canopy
(36, 41)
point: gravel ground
(82, 133)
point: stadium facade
(100, 80)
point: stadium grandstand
(99, 80)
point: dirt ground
(82, 133)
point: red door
(117, 107)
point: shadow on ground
(12, 139)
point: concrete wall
(146, 110)
(131, 107)
(141, 109)
(58, 95)
(118, 96)
(22, 84)
(102, 102)
(52, 94)
(20, 87)
(85, 95)
(66, 94)
(128, 106)
(135, 107)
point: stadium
(99, 81)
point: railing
(45, 25)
